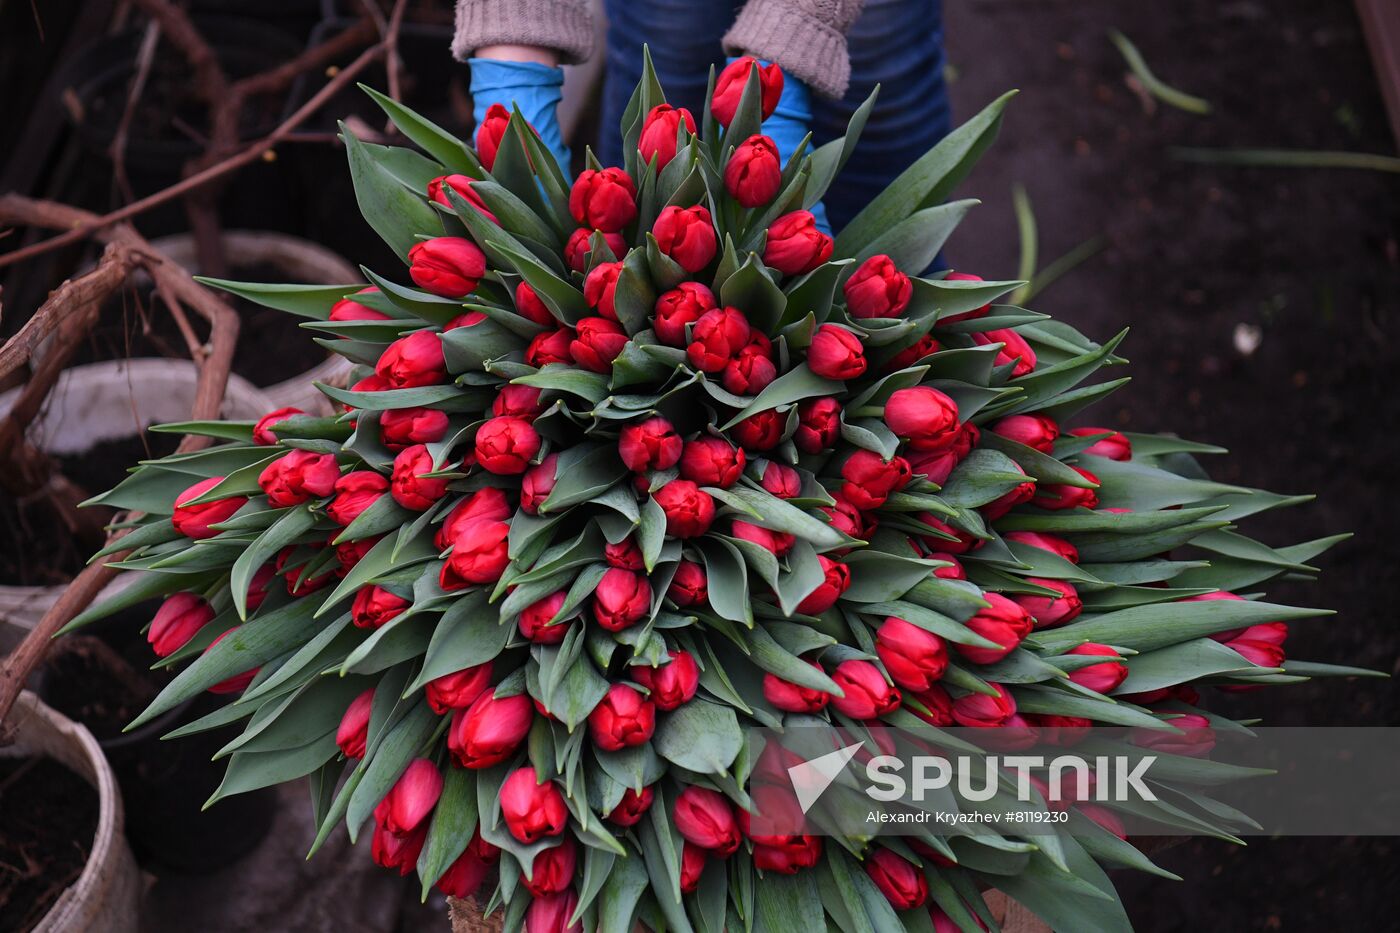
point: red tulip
(262, 431)
(532, 810)
(1113, 447)
(487, 503)
(868, 694)
(347, 309)
(622, 719)
(552, 346)
(793, 698)
(673, 683)
(1016, 350)
(687, 235)
(553, 869)
(1004, 503)
(869, 478)
(900, 880)
(649, 445)
(1194, 740)
(580, 245)
(914, 658)
(537, 483)
(463, 186)
(447, 266)
(689, 510)
(749, 373)
(1101, 678)
(632, 807)
(518, 401)
(781, 480)
(257, 587)
(505, 446)
(802, 852)
(238, 682)
(1037, 431)
(1003, 622)
(819, 424)
(413, 361)
(1050, 611)
(490, 729)
(706, 819)
(1052, 543)
(795, 246)
(529, 306)
(711, 461)
(659, 132)
(459, 689)
(775, 542)
(490, 133)
(716, 338)
(600, 288)
(1260, 644)
(350, 553)
(954, 570)
(877, 289)
(535, 618)
(946, 537)
(409, 486)
(621, 599)
(934, 706)
(924, 416)
(295, 585)
(353, 731)
(924, 346)
(753, 173)
(403, 427)
(298, 476)
(625, 554)
(597, 343)
(836, 580)
(479, 554)
(693, 860)
(375, 606)
(177, 620)
(604, 199)
(729, 89)
(411, 799)
(550, 914)
(688, 586)
(979, 711)
(354, 492)
(678, 307)
(967, 315)
(465, 876)
(1055, 496)
(836, 353)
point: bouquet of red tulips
(629, 464)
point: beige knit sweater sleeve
(563, 25)
(806, 38)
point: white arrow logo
(811, 778)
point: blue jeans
(911, 114)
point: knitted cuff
(812, 51)
(563, 25)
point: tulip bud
(603, 199)
(979, 711)
(479, 554)
(375, 606)
(924, 346)
(632, 807)
(622, 719)
(967, 315)
(659, 132)
(465, 876)
(899, 879)
(836, 580)
(1036, 431)
(537, 484)
(729, 89)
(1007, 501)
(262, 431)
(404, 427)
(463, 186)
(1194, 740)
(296, 586)
(819, 424)
(193, 521)
(650, 445)
(1055, 545)
(517, 401)
(1050, 611)
(257, 587)
(413, 361)
(411, 799)
(1003, 622)
(353, 731)
(553, 869)
(447, 266)
(687, 235)
(177, 620)
(600, 288)
(1113, 447)
(688, 586)
(409, 486)
(490, 133)
(673, 683)
(934, 706)
(552, 346)
(298, 476)
(678, 307)
(795, 246)
(625, 554)
(355, 492)
(529, 306)
(836, 353)
(1101, 678)
(535, 620)
(505, 446)
(459, 689)
(924, 416)
(954, 570)
(914, 658)
(775, 542)
(753, 173)
(347, 309)
(711, 461)
(238, 682)
(870, 478)
(868, 694)
(945, 537)
(706, 819)
(1260, 644)
(532, 810)
(877, 289)
(597, 343)
(394, 851)
(580, 245)
(1055, 496)
(781, 480)
(621, 599)
(793, 698)
(490, 729)
(489, 503)
(551, 914)
(716, 338)
(689, 510)
(1015, 350)
(749, 373)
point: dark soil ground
(1309, 256)
(50, 820)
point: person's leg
(897, 44)
(684, 37)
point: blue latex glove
(536, 89)
(789, 124)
